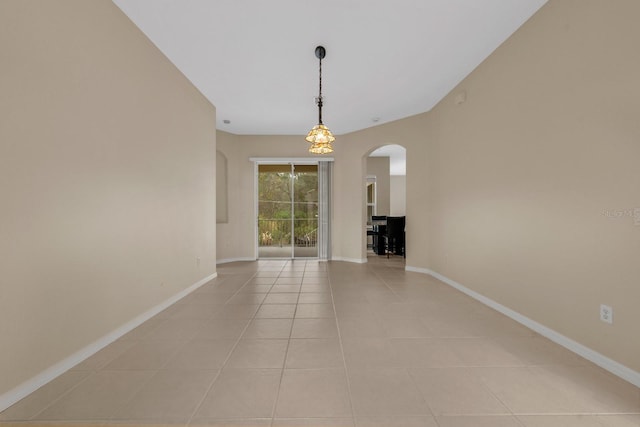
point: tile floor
(305, 343)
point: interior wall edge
(23, 390)
(591, 355)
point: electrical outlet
(198, 261)
(606, 313)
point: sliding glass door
(287, 210)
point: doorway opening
(291, 208)
(385, 200)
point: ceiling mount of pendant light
(320, 136)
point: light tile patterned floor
(306, 343)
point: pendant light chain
(320, 92)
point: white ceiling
(254, 59)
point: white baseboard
(604, 362)
(228, 260)
(12, 396)
(354, 260)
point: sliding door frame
(324, 199)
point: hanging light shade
(320, 136)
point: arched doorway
(385, 200)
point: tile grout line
(112, 417)
(204, 396)
(54, 401)
(284, 362)
(407, 369)
(344, 358)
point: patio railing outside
(277, 232)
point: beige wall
(521, 176)
(349, 176)
(222, 196)
(379, 167)
(235, 235)
(107, 180)
(236, 238)
(526, 192)
(398, 195)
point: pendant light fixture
(320, 136)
